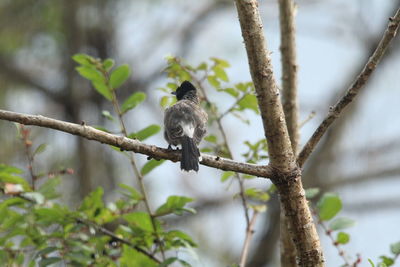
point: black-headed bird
(185, 125)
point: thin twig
(328, 232)
(138, 175)
(30, 157)
(232, 107)
(116, 237)
(310, 117)
(127, 144)
(353, 90)
(247, 241)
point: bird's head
(182, 90)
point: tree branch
(291, 108)
(128, 144)
(287, 176)
(275, 129)
(353, 90)
(289, 69)
(247, 241)
(116, 237)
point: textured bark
(289, 69)
(287, 176)
(131, 144)
(354, 88)
(268, 96)
(290, 106)
(300, 224)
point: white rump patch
(188, 129)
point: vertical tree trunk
(287, 176)
(288, 251)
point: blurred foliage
(36, 230)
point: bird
(185, 124)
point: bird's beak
(173, 93)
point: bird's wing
(186, 118)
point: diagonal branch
(133, 145)
(354, 89)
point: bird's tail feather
(190, 154)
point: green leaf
(249, 102)
(34, 196)
(132, 101)
(93, 206)
(102, 89)
(46, 251)
(341, 223)
(312, 192)
(174, 204)
(220, 73)
(211, 138)
(257, 194)
(48, 261)
(231, 92)
(372, 264)
(49, 188)
(258, 208)
(221, 62)
(329, 205)
(165, 101)
(172, 87)
(395, 248)
(225, 176)
(243, 86)
(343, 238)
(83, 59)
(132, 258)
(108, 64)
(10, 169)
(177, 237)
(119, 76)
(107, 115)
(146, 132)
(52, 215)
(140, 220)
(184, 263)
(168, 262)
(9, 178)
(387, 261)
(213, 81)
(90, 73)
(150, 165)
(41, 148)
(202, 66)
(134, 194)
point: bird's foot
(172, 149)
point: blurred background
(359, 158)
